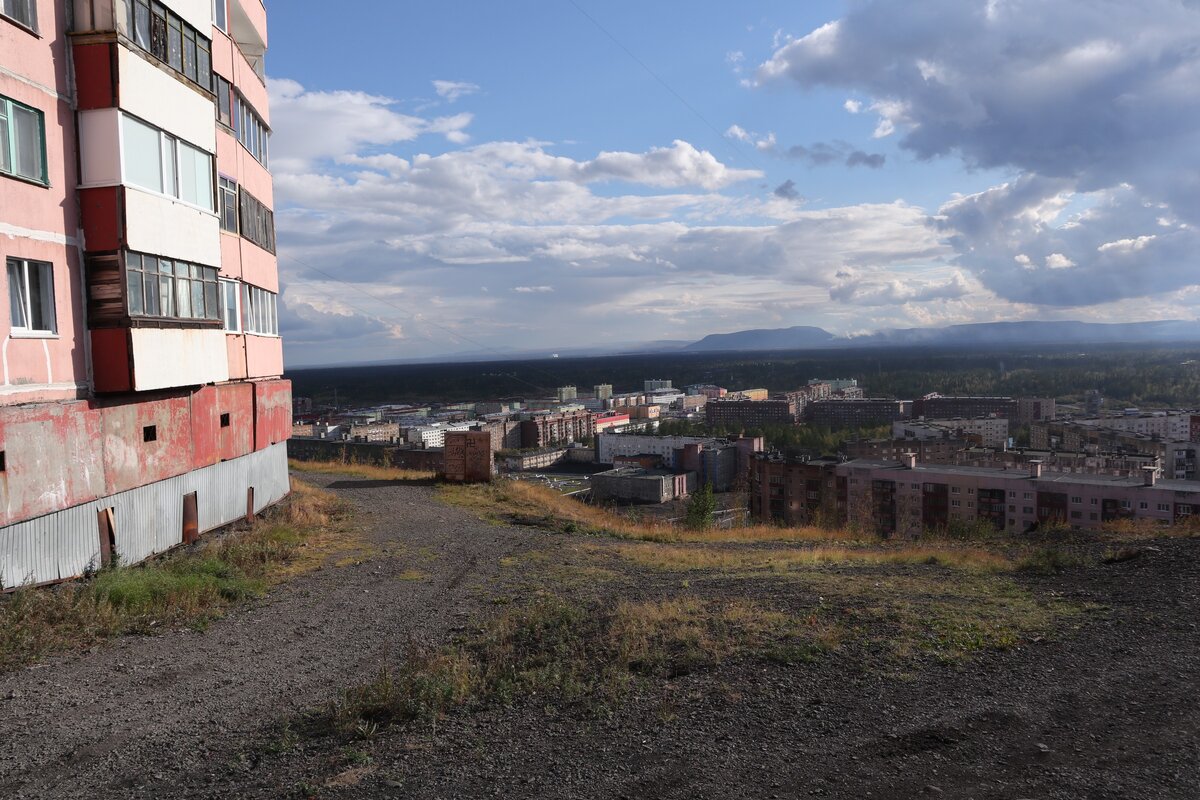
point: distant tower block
(604, 391)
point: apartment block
(750, 413)
(936, 406)
(984, 431)
(846, 413)
(556, 428)
(905, 497)
(141, 402)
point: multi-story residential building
(928, 451)
(566, 393)
(750, 413)
(834, 384)
(985, 431)
(563, 427)
(141, 402)
(711, 391)
(847, 414)
(603, 391)
(749, 394)
(935, 406)
(1035, 409)
(906, 497)
(656, 386)
(1176, 425)
(1180, 459)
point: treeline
(786, 438)
(1141, 376)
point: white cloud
(533, 289)
(453, 90)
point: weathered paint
(170, 357)
(272, 413)
(130, 461)
(212, 443)
(235, 345)
(95, 79)
(42, 472)
(168, 227)
(148, 520)
(110, 360)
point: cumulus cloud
(817, 155)
(322, 125)
(897, 291)
(1094, 106)
(451, 91)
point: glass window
(31, 295)
(22, 141)
(230, 306)
(220, 14)
(133, 292)
(143, 154)
(222, 88)
(166, 288)
(141, 24)
(195, 176)
(229, 209)
(189, 54)
(23, 11)
(158, 31)
(170, 184)
(203, 63)
(175, 43)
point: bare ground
(1103, 707)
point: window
(1077, 501)
(1028, 495)
(257, 221)
(955, 503)
(162, 34)
(955, 490)
(150, 433)
(1012, 495)
(1126, 504)
(1143, 505)
(221, 14)
(22, 141)
(225, 420)
(231, 306)
(229, 205)
(259, 311)
(159, 162)
(1094, 501)
(1161, 506)
(31, 296)
(22, 11)
(1076, 515)
(223, 91)
(1027, 510)
(161, 287)
(251, 131)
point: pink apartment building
(141, 402)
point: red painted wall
(110, 360)
(212, 443)
(52, 458)
(102, 213)
(94, 73)
(129, 461)
(272, 413)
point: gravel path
(109, 721)
(1110, 711)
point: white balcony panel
(197, 13)
(166, 102)
(100, 147)
(163, 226)
(164, 358)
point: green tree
(701, 508)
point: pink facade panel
(235, 344)
(264, 356)
(146, 441)
(259, 267)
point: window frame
(11, 142)
(227, 188)
(162, 27)
(49, 306)
(260, 311)
(225, 285)
(175, 284)
(170, 183)
(30, 8)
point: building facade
(984, 431)
(557, 428)
(750, 413)
(907, 498)
(936, 406)
(142, 402)
(846, 414)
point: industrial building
(141, 402)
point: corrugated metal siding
(149, 519)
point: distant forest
(1125, 375)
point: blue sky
(458, 175)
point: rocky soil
(1107, 709)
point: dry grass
(528, 503)
(188, 587)
(564, 653)
(369, 471)
(686, 559)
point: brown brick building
(750, 413)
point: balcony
(248, 28)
